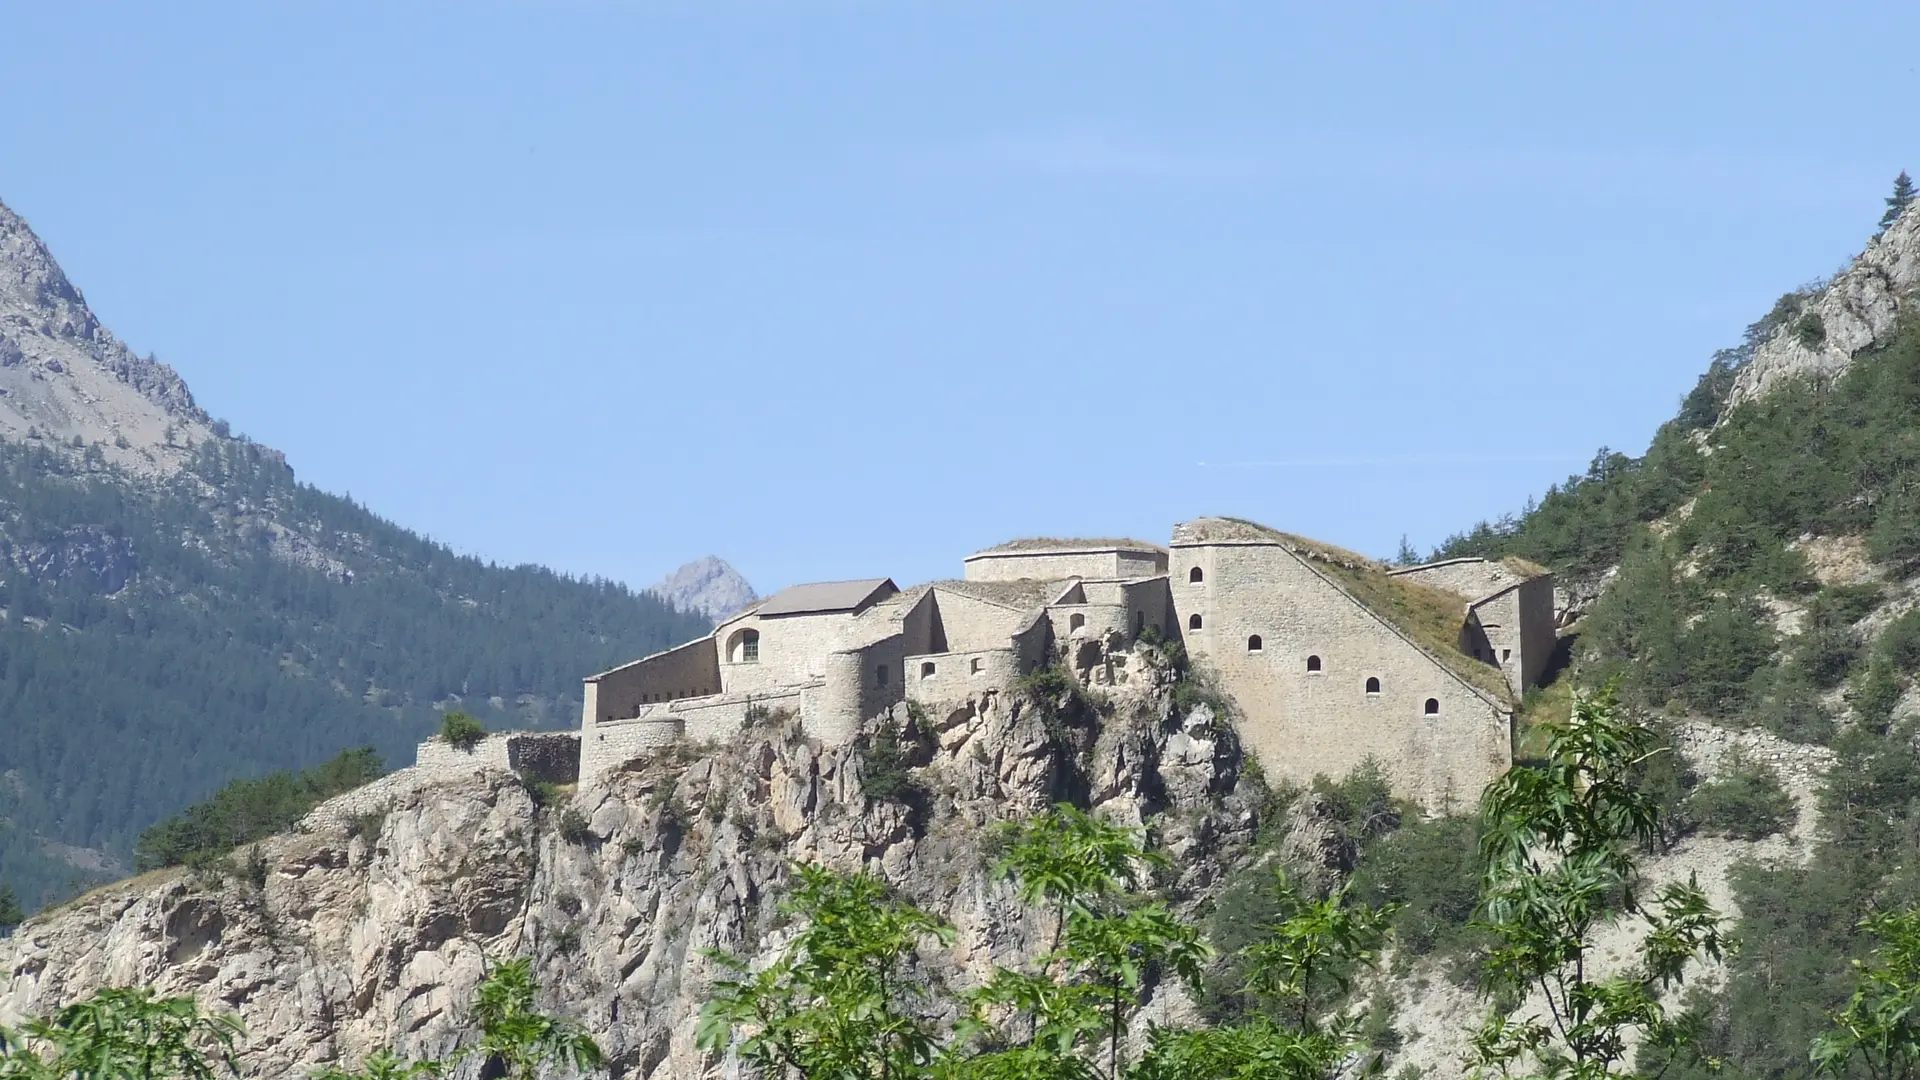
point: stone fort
(1328, 656)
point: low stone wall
(553, 756)
(610, 745)
(955, 675)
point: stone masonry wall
(691, 670)
(972, 625)
(1302, 723)
(793, 650)
(1046, 566)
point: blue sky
(845, 288)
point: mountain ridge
(179, 610)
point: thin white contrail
(1407, 459)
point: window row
(928, 669)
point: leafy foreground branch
(132, 1034)
(849, 998)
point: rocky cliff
(64, 377)
(369, 927)
(1855, 311)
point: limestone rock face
(706, 585)
(64, 377)
(1857, 310)
(372, 924)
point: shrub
(1875, 693)
(1825, 655)
(461, 731)
(367, 826)
(1810, 330)
(247, 810)
(1363, 802)
(1432, 868)
(573, 827)
(1746, 804)
(1900, 641)
(886, 765)
(544, 793)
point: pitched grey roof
(823, 597)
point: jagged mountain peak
(66, 380)
(707, 585)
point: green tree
(1560, 849)
(122, 1034)
(838, 1003)
(516, 1035)
(1880, 1025)
(1897, 202)
(461, 731)
(11, 914)
(383, 1065)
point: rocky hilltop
(65, 379)
(707, 586)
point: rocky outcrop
(370, 927)
(66, 380)
(708, 586)
(1855, 311)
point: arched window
(1194, 576)
(880, 674)
(1253, 643)
(744, 647)
(926, 670)
(1373, 685)
(1433, 707)
(1193, 621)
(1075, 621)
(1313, 665)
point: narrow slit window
(978, 666)
(880, 674)
(926, 670)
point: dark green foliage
(1362, 802)
(1789, 706)
(543, 793)
(1431, 870)
(460, 731)
(887, 759)
(11, 914)
(1875, 693)
(1900, 642)
(163, 647)
(1811, 330)
(1898, 201)
(1895, 534)
(573, 827)
(249, 810)
(1746, 804)
(1799, 926)
(1636, 634)
(1723, 650)
(1824, 655)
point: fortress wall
(1044, 566)
(972, 625)
(1499, 619)
(547, 755)
(956, 675)
(1539, 641)
(1097, 621)
(1149, 604)
(793, 649)
(687, 671)
(609, 746)
(1471, 578)
(921, 629)
(834, 711)
(1139, 564)
(1303, 723)
(1031, 644)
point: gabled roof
(826, 597)
(1013, 595)
(1425, 615)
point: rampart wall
(1304, 722)
(691, 670)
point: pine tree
(1897, 202)
(11, 914)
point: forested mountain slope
(182, 612)
(1759, 568)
